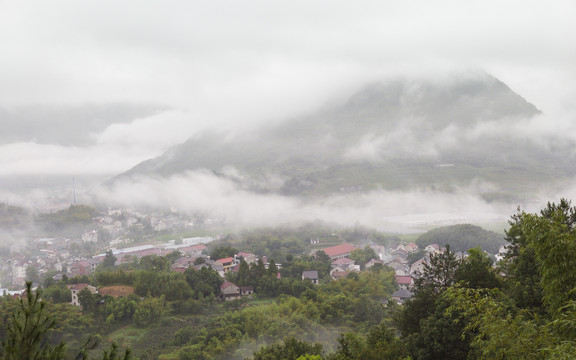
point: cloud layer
(233, 64)
(202, 191)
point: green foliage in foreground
(463, 310)
(27, 336)
(291, 349)
(321, 313)
(380, 343)
(30, 324)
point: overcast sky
(238, 63)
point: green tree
(521, 267)
(257, 271)
(149, 311)
(27, 337)
(429, 332)
(272, 269)
(463, 237)
(88, 301)
(362, 256)
(173, 256)
(291, 349)
(109, 260)
(439, 273)
(27, 332)
(380, 343)
(552, 235)
(222, 252)
(70, 222)
(32, 273)
(497, 331)
(243, 277)
(204, 282)
(323, 257)
(476, 270)
(58, 293)
(155, 263)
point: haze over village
(301, 181)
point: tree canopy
(462, 237)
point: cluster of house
(117, 222)
(191, 253)
(54, 254)
(405, 273)
(190, 249)
(395, 257)
(46, 254)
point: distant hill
(12, 217)
(462, 238)
(398, 134)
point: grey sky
(234, 63)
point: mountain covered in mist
(398, 134)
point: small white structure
(76, 288)
(90, 236)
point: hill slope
(462, 238)
(394, 135)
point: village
(62, 258)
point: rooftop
(310, 274)
(339, 249)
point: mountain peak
(387, 135)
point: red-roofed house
(339, 251)
(226, 263)
(404, 282)
(411, 247)
(200, 247)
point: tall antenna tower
(74, 189)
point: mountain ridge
(387, 135)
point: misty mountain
(398, 134)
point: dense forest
(462, 307)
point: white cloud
(156, 133)
(203, 191)
(189, 53)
